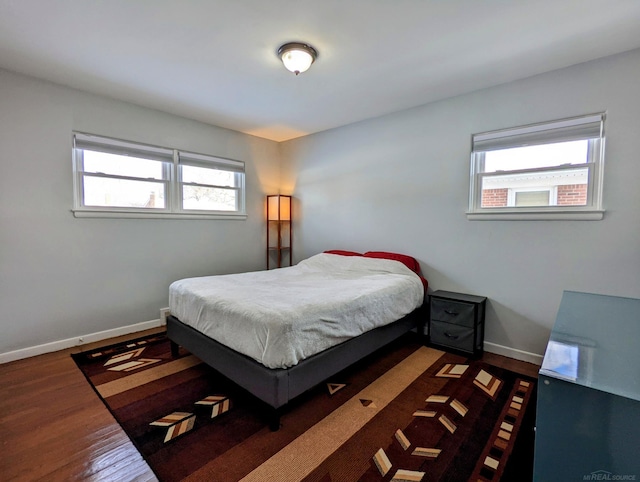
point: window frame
(171, 173)
(209, 162)
(574, 128)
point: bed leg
(175, 349)
(274, 419)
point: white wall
(62, 277)
(400, 183)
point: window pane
(99, 191)
(119, 165)
(532, 198)
(530, 157)
(208, 198)
(202, 175)
(571, 184)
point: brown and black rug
(407, 413)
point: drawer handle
(450, 336)
(452, 313)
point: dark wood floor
(54, 427)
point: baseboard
(76, 341)
(513, 353)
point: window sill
(82, 213)
(594, 215)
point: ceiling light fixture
(297, 57)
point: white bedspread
(282, 316)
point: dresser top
(595, 342)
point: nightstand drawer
(452, 312)
(454, 336)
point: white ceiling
(215, 61)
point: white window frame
(200, 160)
(589, 127)
(171, 178)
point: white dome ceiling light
(297, 57)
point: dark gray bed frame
(277, 387)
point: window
(209, 186)
(532, 197)
(126, 179)
(543, 171)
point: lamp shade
(279, 208)
(297, 57)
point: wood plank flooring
(54, 427)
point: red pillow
(409, 261)
(343, 253)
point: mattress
(283, 316)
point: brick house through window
(545, 188)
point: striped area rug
(407, 413)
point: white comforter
(282, 316)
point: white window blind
(210, 162)
(123, 148)
(578, 128)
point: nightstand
(456, 321)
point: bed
(279, 333)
